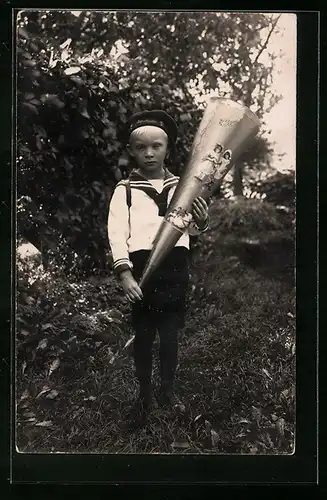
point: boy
(160, 305)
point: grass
(235, 376)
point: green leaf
(27, 55)
(29, 63)
(77, 80)
(72, 70)
(68, 164)
(57, 102)
(25, 395)
(267, 373)
(34, 47)
(45, 423)
(29, 414)
(244, 421)
(46, 326)
(122, 162)
(185, 117)
(42, 344)
(118, 174)
(54, 365)
(214, 437)
(23, 33)
(38, 143)
(281, 426)
(53, 99)
(109, 132)
(31, 107)
(113, 89)
(52, 394)
(44, 390)
(90, 398)
(85, 113)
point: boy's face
(148, 145)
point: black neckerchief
(161, 199)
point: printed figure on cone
(137, 209)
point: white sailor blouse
(132, 229)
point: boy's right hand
(131, 288)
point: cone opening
(238, 105)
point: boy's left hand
(200, 212)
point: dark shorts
(167, 287)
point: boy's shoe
(148, 404)
(146, 400)
(167, 398)
(141, 409)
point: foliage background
(78, 80)
(79, 76)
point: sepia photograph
(155, 161)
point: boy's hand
(131, 289)
(200, 212)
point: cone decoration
(225, 131)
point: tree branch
(252, 82)
(264, 46)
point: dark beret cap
(155, 117)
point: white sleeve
(118, 229)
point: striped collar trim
(136, 176)
(168, 182)
(139, 182)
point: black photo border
(301, 468)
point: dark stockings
(146, 326)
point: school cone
(226, 129)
